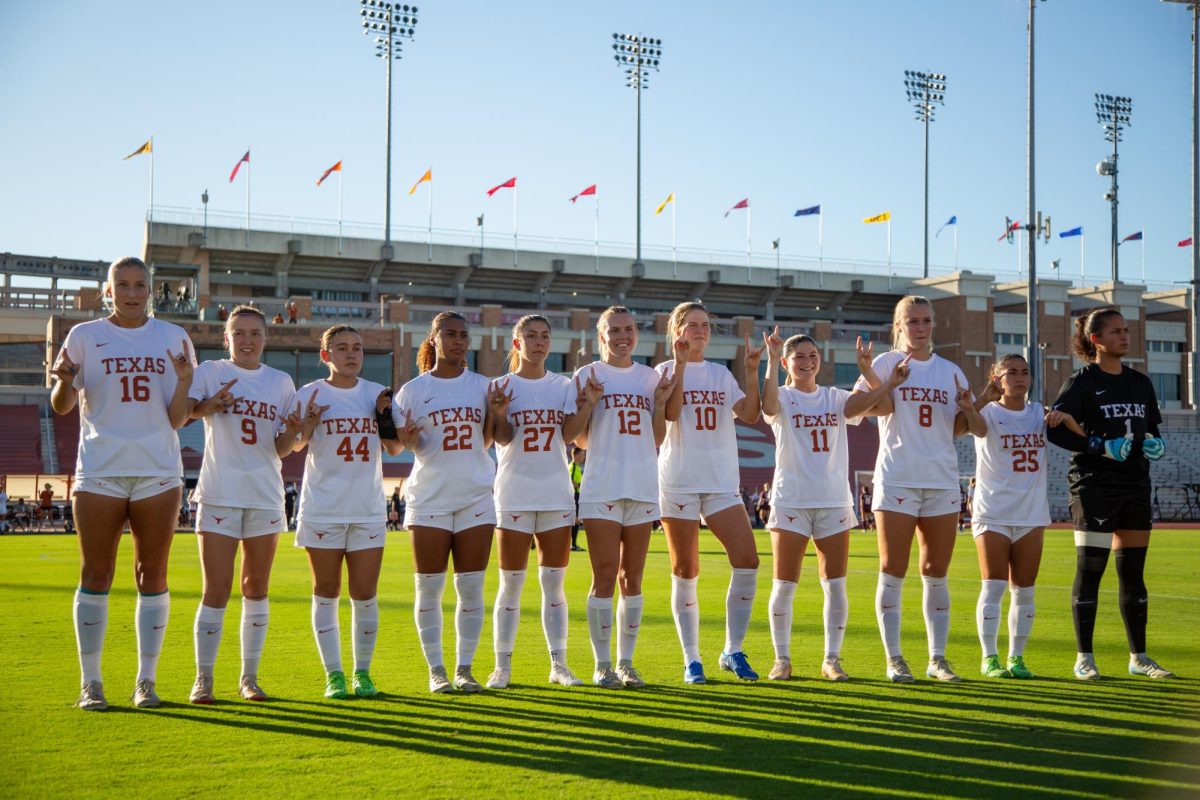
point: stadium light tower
(391, 23)
(1033, 344)
(1112, 112)
(925, 90)
(637, 55)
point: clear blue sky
(788, 103)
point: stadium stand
(20, 432)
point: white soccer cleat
(144, 695)
(464, 681)
(498, 679)
(781, 670)
(606, 678)
(1085, 667)
(629, 675)
(202, 691)
(898, 671)
(831, 669)
(91, 697)
(940, 668)
(438, 681)
(249, 689)
(1142, 664)
(562, 675)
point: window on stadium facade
(1156, 346)
(1009, 339)
(844, 375)
(1166, 386)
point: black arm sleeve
(1069, 401)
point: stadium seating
(20, 431)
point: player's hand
(1154, 447)
(962, 396)
(1056, 418)
(64, 368)
(991, 390)
(901, 371)
(409, 434)
(1116, 449)
(182, 363)
(313, 411)
(864, 355)
(499, 397)
(384, 401)
(590, 392)
(293, 423)
(663, 390)
(753, 356)
(220, 402)
(681, 348)
(773, 345)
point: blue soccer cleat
(738, 665)
(694, 673)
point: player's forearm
(63, 398)
(178, 409)
(675, 399)
(575, 426)
(749, 408)
(770, 390)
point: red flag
(1185, 243)
(1016, 223)
(739, 204)
(511, 183)
(335, 168)
(238, 165)
(589, 190)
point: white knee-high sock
(987, 615)
(780, 607)
(91, 620)
(150, 619)
(600, 619)
(836, 612)
(207, 634)
(554, 611)
(427, 611)
(629, 618)
(935, 601)
(1020, 618)
(887, 612)
(364, 616)
(506, 615)
(739, 605)
(327, 632)
(255, 616)
(686, 608)
(468, 615)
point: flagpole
(597, 197)
(430, 256)
(247, 198)
(889, 223)
(151, 186)
(748, 212)
(1019, 270)
(339, 212)
(674, 251)
(514, 224)
(956, 246)
(1082, 275)
(1143, 254)
(821, 248)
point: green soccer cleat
(335, 686)
(1017, 668)
(363, 685)
(990, 668)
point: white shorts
(1012, 532)
(534, 521)
(348, 536)
(916, 502)
(816, 523)
(694, 505)
(626, 512)
(482, 512)
(239, 523)
(131, 489)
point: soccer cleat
(464, 681)
(1017, 668)
(438, 682)
(606, 678)
(335, 685)
(1142, 664)
(990, 667)
(91, 697)
(1085, 667)
(781, 670)
(831, 669)
(940, 668)
(629, 675)
(738, 665)
(898, 671)
(144, 695)
(362, 684)
(202, 691)
(498, 679)
(694, 673)
(562, 675)
(249, 689)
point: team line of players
(661, 446)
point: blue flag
(1073, 232)
(952, 221)
(805, 212)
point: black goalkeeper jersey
(1108, 406)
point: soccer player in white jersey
(916, 481)
(249, 425)
(1010, 509)
(129, 374)
(810, 495)
(622, 419)
(444, 418)
(698, 479)
(342, 513)
(534, 496)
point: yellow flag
(146, 148)
(428, 176)
(663, 204)
(884, 217)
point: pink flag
(589, 190)
(238, 165)
(739, 204)
(1185, 243)
(511, 183)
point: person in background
(293, 312)
(578, 458)
(277, 319)
(289, 503)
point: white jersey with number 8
(532, 474)
(916, 441)
(125, 384)
(812, 459)
(452, 468)
(1010, 468)
(700, 452)
(343, 471)
(622, 459)
(241, 466)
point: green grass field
(1051, 737)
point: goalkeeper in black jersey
(1114, 442)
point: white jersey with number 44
(343, 471)
(1010, 468)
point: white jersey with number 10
(700, 452)
(343, 472)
